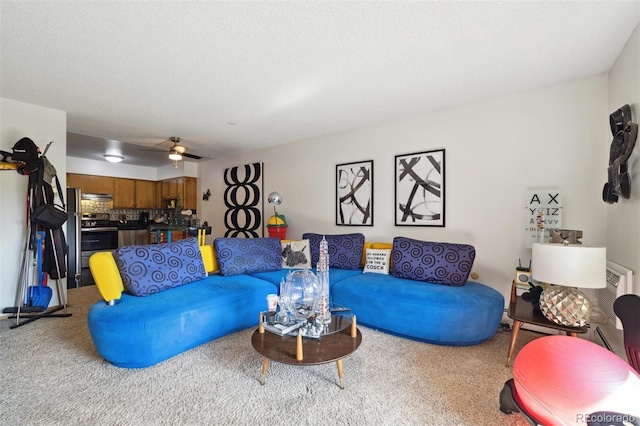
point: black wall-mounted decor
(625, 133)
(243, 201)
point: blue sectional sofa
(180, 295)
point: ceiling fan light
(113, 158)
(175, 156)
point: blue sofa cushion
(345, 250)
(434, 262)
(248, 255)
(141, 331)
(439, 314)
(153, 268)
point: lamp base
(566, 306)
(277, 232)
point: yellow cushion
(382, 246)
(106, 275)
(209, 258)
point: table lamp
(566, 267)
(277, 224)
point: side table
(521, 311)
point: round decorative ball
(274, 199)
(566, 306)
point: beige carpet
(52, 375)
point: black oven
(97, 234)
(99, 239)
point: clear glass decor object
(324, 315)
(301, 294)
(566, 306)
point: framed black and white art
(243, 201)
(420, 189)
(354, 193)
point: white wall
(42, 125)
(104, 168)
(495, 151)
(623, 217)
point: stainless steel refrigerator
(74, 227)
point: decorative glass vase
(301, 294)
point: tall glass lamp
(567, 267)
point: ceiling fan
(176, 151)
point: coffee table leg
(265, 365)
(299, 353)
(514, 337)
(340, 373)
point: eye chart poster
(543, 211)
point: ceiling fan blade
(175, 148)
(165, 143)
(195, 157)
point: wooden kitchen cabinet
(180, 191)
(158, 202)
(169, 191)
(190, 193)
(180, 188)
(124, 194)
(134, 193)
(137, 193)
(90, 184)
(145, 194)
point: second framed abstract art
(354, 193)
(420, 189)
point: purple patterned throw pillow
(152, 268)
(345, 250)
(439, 263)
(248, 255)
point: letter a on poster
(544, 205)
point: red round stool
(562, 380)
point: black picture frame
(420, 189)
(354, 193)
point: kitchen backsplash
(97, 206)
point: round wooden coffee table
(308, 351)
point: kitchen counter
(158, 226)
(160, 233)
(131, 224)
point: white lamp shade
(113, 158)
(570, 265)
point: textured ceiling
(229, 77)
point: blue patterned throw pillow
(152, 268)
(248, 255)
(439, 263)
(345, 250)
